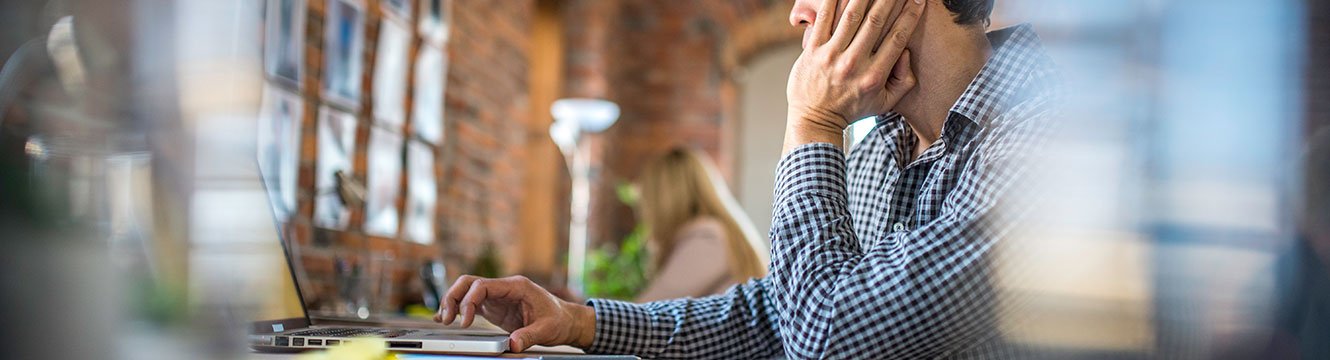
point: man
(881, 256)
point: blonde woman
(700, 242)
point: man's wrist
(803, 128)
(813, 117)
(584, 325)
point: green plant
(488, 264)
(618, 273)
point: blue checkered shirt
(877, 255)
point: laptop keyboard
(353, 332)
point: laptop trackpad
(450, 341)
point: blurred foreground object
(1171, 194)
(100, 108)
(64, 158)
(1302, 322)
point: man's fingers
(902, 78)
(849, 24)
(876, 20)
(824, 21)
(521, 339)
(489, 289)
(452, 297)
(478, 293)
(900, 34)
(895, 10)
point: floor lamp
(572, 118)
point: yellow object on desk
(370, 349)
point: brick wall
(486, 107)
(477, 166)
(670, 65)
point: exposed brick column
(487, 108)
(670, 67)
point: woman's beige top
(699, 265)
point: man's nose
(804, 13)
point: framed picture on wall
(384, 184)
(427, 107)
(337, 144)
(389, 84)
(422, 193)
(434, 19)
(279, 147)
(397, 8)
(284, 40)
(343, 52)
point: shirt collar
(1004, 80)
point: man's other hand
(532, 315)
(843, 74)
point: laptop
(289, 329)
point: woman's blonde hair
(680, 187)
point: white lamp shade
(590, 115)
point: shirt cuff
(811, 169)
(625, 328)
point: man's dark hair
(969, 12)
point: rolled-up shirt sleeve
(738, 324)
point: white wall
(762, 130)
